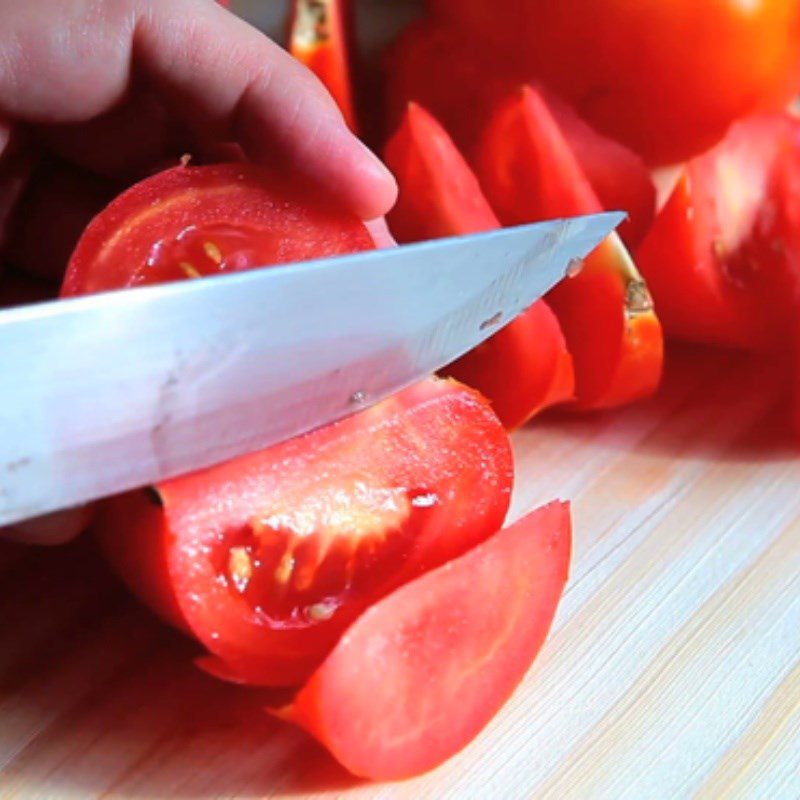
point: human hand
(93, 93)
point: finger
(379, 231)
(122, 143)
(57, 204)
(233, 82)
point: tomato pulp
(188, 222)
(721, 257)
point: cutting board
(672, 670)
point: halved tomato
(419, 674)
(319, 38)
(457, 79)
(718, 258)
(189, 221)
(523, 368)
(529, 173)
(268, 558)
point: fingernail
(384, 185)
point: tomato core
(295, 566)
(209, 250)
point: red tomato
(456, 78)
(666, 77)
(717, 259)
(523, 368)
(193, 221)
(268, 558)
(444, 653)
(318, 38)
(529, 174)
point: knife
(109, 392)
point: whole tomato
(666, 77)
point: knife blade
(106, 393)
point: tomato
(268, 558)
(716, 259)
(192, 221)
(461, 82)
(523, 368)
(443, 653)
(318, 38)
(666, 77)
(439, 193)
(529, 174)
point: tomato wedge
(529, 173)
(419, 674)
(458, 80)
(268, 558)
(189, 221)
(718, 259)
(525, 367)
(318, 38)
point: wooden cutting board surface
(673, 669)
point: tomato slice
(319, 38)
(530, 173)
(457, 79)
(188, 222)
(268, 558)
(443, 653)
(716, 259)
(525, 367)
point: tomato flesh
(318, 38)
(717, 260)
(530, 173)
(665, 78)
(456, 78)
(190, 221)
(525, 367)
(268, 558)
(420, 673)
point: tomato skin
(455, 77)
(718, 259)
(530, 174)
(423, 697)
(318, 38)
(436, 442)
(281, 221)
(525, 367)
(665, 78)
(439, 194)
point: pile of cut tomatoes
(363, 568)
